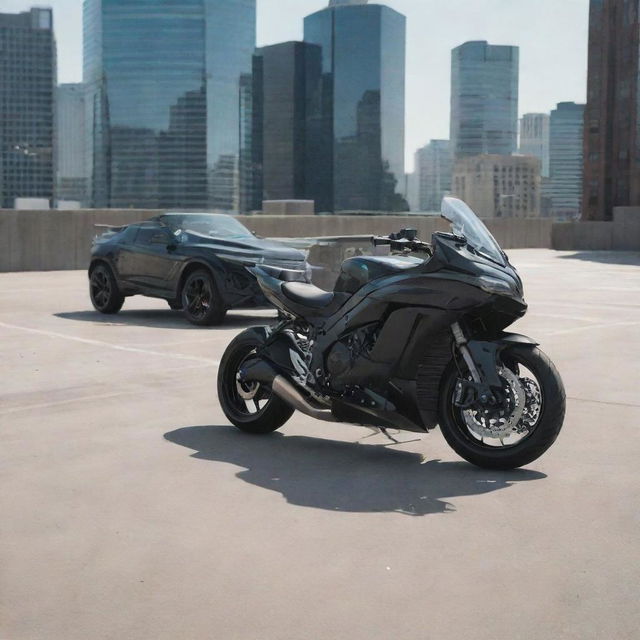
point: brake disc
(503, 422)
(247, 391)
(533, 405)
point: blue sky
(551, 34)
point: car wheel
(175, 305)
(201, 302)
(104, 292)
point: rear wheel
(104, 292)
(201, 302)
(522, 428)
(252, 407)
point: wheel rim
(493, 430)
(198, 297)
(100, 288)
(248, 400)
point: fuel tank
(357, 272)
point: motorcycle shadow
(345, 476)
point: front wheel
(252, 407)
(522, 428)
(201, 301)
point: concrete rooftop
(130, 509)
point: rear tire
(531, 447)
(269, 412)
(103, 290)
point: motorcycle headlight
(493, 285)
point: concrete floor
(129, 509)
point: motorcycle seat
(307, 294)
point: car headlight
(493, 285)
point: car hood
(251, 248)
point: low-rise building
(496, 186)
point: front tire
(103, 289)
(201, 301)
(543, 433)
(251, 408)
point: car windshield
(465, 223)
(207, 224)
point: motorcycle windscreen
(465, 223)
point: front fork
(481, 359)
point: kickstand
(386, 433)
(377, 430)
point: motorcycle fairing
(415, 307)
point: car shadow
(345, 476)
(161, 318)
(606, 257)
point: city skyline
(546, 77)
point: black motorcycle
(406, 341)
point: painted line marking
(612, 404)
(108, 345)
(593, 326)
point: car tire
(103, 290)
(175, 305)
(202, 303)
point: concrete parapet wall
(54, 240)
(582, 236)
(626, 228)
(59, 240)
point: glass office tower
(484, 99)
(356, 114)
(163, 100)
(434, 171)
(27, 94)
(564, 187)
(534, 138)
(71, 167)
(286, 78)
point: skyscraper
(163, 100)
(564, 187)
(356, 114)
(434, 167)
(27, 86)
(286, 76)
(484, 99)
(612, 116)
(534, 138)
(71, 166)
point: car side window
(152, 236)
(129, 235)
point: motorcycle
(406, 341)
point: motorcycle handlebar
(401, 244)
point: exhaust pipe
(262, 372)
(287, 392)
